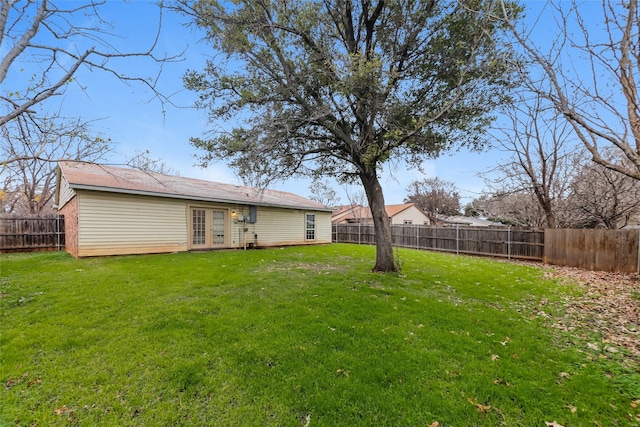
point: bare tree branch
(46, 35)
(591, 78)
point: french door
(207, 228)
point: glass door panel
(198, 227)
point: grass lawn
(304, 336)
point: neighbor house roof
(393, 210)
(358, 212)
(350, 213)
(92, 176)
(470, 221)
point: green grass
(267, 337)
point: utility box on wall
(253, 214)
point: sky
(136, 123)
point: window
(311, 227)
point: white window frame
(312, 229)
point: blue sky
(136, 123)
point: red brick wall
(70, 212)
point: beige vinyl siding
(111, 223)
(118, 224)
(278, 226)
(66, 193)
(323, 227)
(412, 214)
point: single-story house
(115, 211)
(407, 213)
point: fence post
(417, 237)
(57, 232)
(457, 239)
(359, 232)
(509, 242)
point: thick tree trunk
(384, 247)
(545, 202)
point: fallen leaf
(434, 424)
(553, 424)
(482, 408)
(572, 408)
(62, 410)
(343, 373)
(635, 403)
(495, 357)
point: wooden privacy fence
(605, 250)
(500, 242)
(22, 234)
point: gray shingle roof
(92, 176)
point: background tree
(435, 197)
(542, 158)
(29, 180)
(62, 41)
(322, 192)
(603, 198)
(145, 162)
(341, 88)
(591, 76)
(358, 205)
(519, 209)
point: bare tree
(591, 76)
(603, 198)
(61, 42)
(542, 158)
(514, 208)
(322, 192)
(145, 162)
(435, 197)
(29, 180)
